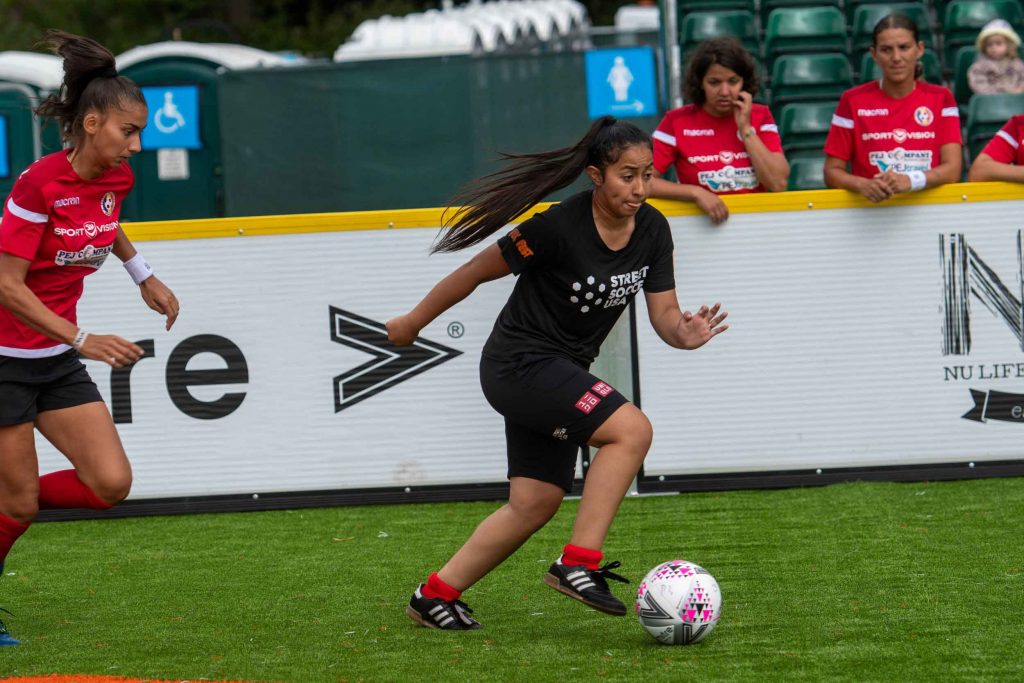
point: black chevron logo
(390, 364)
(650, 609)
(685, 633)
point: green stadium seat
(869, 71)
(807, 172)
(986, 114)
(762, 92)
(805, 125)
(852, 6)
(684, 7)
(961, 64)
(768, 6)
(963, 19)
(699, 26)
(867, 16)
(810, 78)
(803, 30)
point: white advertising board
(861, 337)
(274, 320)
(838, 353)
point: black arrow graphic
(650, 610)
(390, 365)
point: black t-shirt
(572, 287)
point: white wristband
(917, 180)
(138, 268)
(80, 338)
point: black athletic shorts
(29, 386)
(551, 407)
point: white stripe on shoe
(580, 580)
(448, 618)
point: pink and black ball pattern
(678, 602)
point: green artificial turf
(857, 582)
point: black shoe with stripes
(589, 586)
(448, 615)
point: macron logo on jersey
(66, 201)
(872, 112)
(698, 132)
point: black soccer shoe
(589, 586)
(443, 614)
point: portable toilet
(25, 79)
(179, 173)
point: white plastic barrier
(849, 339)
(276, 378)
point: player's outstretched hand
(160, 298)
(401, 331)
(694, 330)
(111, 349)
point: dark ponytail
(489, 203)
(90, 83)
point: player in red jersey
(59, 224)
(1003, 157)
(722, 142)
(898, 134)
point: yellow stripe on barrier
(249, 226)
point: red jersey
(708, 151)
(66, 227)
(877, 133)
(1005, 146)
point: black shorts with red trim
(29, 386)
(551, 407)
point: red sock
(65, 490)
(436, 588)
(574, 554)
(10, 531)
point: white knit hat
(997, 27)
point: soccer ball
(678, 602)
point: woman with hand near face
(898, 134)
(722, 142)
(60, 223)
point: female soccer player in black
(579, 264)
(59, 225)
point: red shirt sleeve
(665, 149)
(1003, 145)
(25, 218)
(950, 120)
(839, 142)
(768, 131)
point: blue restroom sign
(621, 82)
(173, 117)
(5, 163)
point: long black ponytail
(91, 83)
(489, 203)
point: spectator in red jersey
(59, 224)
(722, 142)
(898, 134)
(1003, 157)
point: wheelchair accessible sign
(620, 82)
(173, 117)
(5, 165)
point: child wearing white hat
(997, 68)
